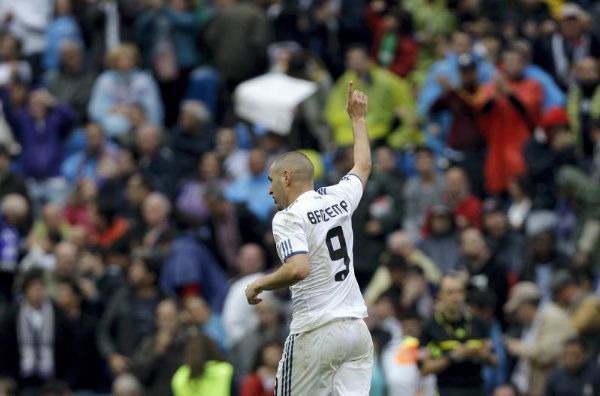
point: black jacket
(10, 355)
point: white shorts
(334, 359)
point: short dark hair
(70, 282)
(423, 149)
(152, 262)
(32, 276)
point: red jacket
(506, 129)
(406, 52)
(252, 386)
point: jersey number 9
(340, 253)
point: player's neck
(294, 193)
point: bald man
(329, 349)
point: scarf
(35, 335)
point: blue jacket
(41, 154)
(553, 95)
(254, 192)
(113, 88)
(190, 263)
(61, 29)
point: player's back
(320, 224)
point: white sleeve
(349, 188)
(290, 238)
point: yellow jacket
(215, 381)
(389, 96)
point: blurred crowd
(134, 205)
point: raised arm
(357, 110)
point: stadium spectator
(399, 244)
(239, 317)
(10, 181)
(441, 241)
(230, 226)
(167, 32)
(121, 87)
(546, 327)
(511, 103)
(520, 203)
(394, 46)
(156, 213)
(253, 190)
(93, 162)
(154, 158)
(107, 226)
(129, 316)
(36, 317)
(238, 37)
(584, 194)
(191, 202)
(88, 372)
(204, 371)
(63, 28)
(262, 381)
(234, 159)
(73, 79)
(465, 207)
(485, 271)
(578, 374)
(14, 210)
(567, 46)
(390, 98)
(271, 326)
(41, 128)
(12, 67)
(189, 268)
(161, 353)
(465, 135)
(447, 69)
(506, 245)
(483, 303)
(583, 105)
(583, 308)
(542, 259)
(545, 153)
(421, 192)
(456, 342)
(201, 320)
(190, 138)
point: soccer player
(329, 350)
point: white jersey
(320, 225)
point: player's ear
(287, 177)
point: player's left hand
(252, 292)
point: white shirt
(320, 224)
(238, 316)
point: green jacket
(574, 98)
(585, 193)
(389, 97)
(215, 381)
